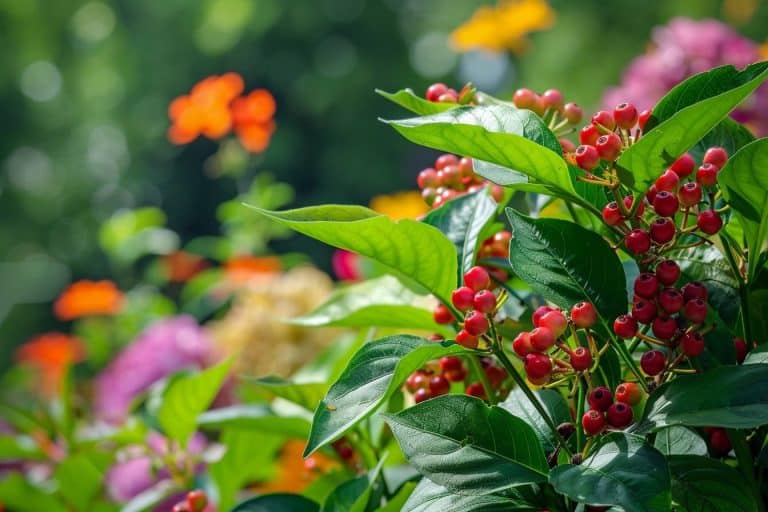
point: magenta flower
(346, 265)
(683, 48)
(163, 348)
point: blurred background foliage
(85, 85)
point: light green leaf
(428, 497)
(19, 495)
(680, 441)
(408, 100)
(305, 394)
(353, 495)
(254, 417)
(80, 477)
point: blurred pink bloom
(346, 265)
(683, 48)
(163, 348)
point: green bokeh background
(84, 88)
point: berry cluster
(551, 107)
(675, 316)
(452, 177)
(607, 135)
(610, 410)
(550, 328)
(441, 93)
(435, 378)
(195, 501)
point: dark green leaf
(428, 497)
(254, 417)
(376, 371)
(729, 135)
(353, 495)
(277, 503)
(744, 183)
(518, 404)
(379, 302)
(407, 99)
(499, 134)
(458, 442)
(186, 397)
(406, 247)
(685, 115)
(305, 394)
(623, 471)
(701, 484)
(680, 441)
(727, 396)
(461, 221)
(567, 263)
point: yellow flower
(763, 50)
(503, 27)
(400, 205)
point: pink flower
(346, 265)
(683, 48)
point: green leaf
(406, 247)
(458, 442)
(729, 135)
(462, 220)
(353, 495)
(397, 503)
(188, 396)
(683, 117)
(408, 100)
(757, 355)
(380, 302)
(254, 417)
(680, 441)
(20, 447)
(567, 263)
(701, 484)
(305, 394)
(19, 495)
(744, 183)
(623, 471)
(80, 477)
(518, 405)
(499, 134)
(428, 496)
(726, 396)
(376, 371)
(277, 503)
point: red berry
(671, 300)
(612, 214)
(589, 135)
(555, 321)
(625, 326)
(651, 194)
(625, 115)
(646, 285)
(538, 366)
(619, 415)
(665, 204)
(485, 301)
(439, 385)
(463, 298)
(465, 339)
(695, 311)
(522, 344)
(496, 376)
(476, 389)
(434, 91)
(446, 160)
(692, 344)
(436, 337)
(667, 182)
(690, 194)
(629, 393)
(740, 346)
(653, 362)
(573, 113)
(605, 119)
(684, 165)
(707, 175)
(662, 230)
(716, 156)
(422, 394)
(668, 272)
(542, 339)
(644, 311)
(416, 380)
(628, 200)
(540, 312)
(197, 500)
(580, 359)
(442, 314)
(567, 146)
(694, 290)
(637, 241)
(477, 278)
(709, 222)
(593, 422)
(664, 328)
(450, 96)
(587, 157)
(450, 364)
(427, 178)
(600, 399)
(475, 323)
(642, 118)
(552, 98)
(608, 146)
(583, 315)
(525, 98)
(719, 442)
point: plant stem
(579, 414)
(499, 352)
(743, 291)
(477, 368)
(744, 458)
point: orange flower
(294, 473)
(51, 354)
(86, 298)
(252, 117)
(182, 266)
(243, 268)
